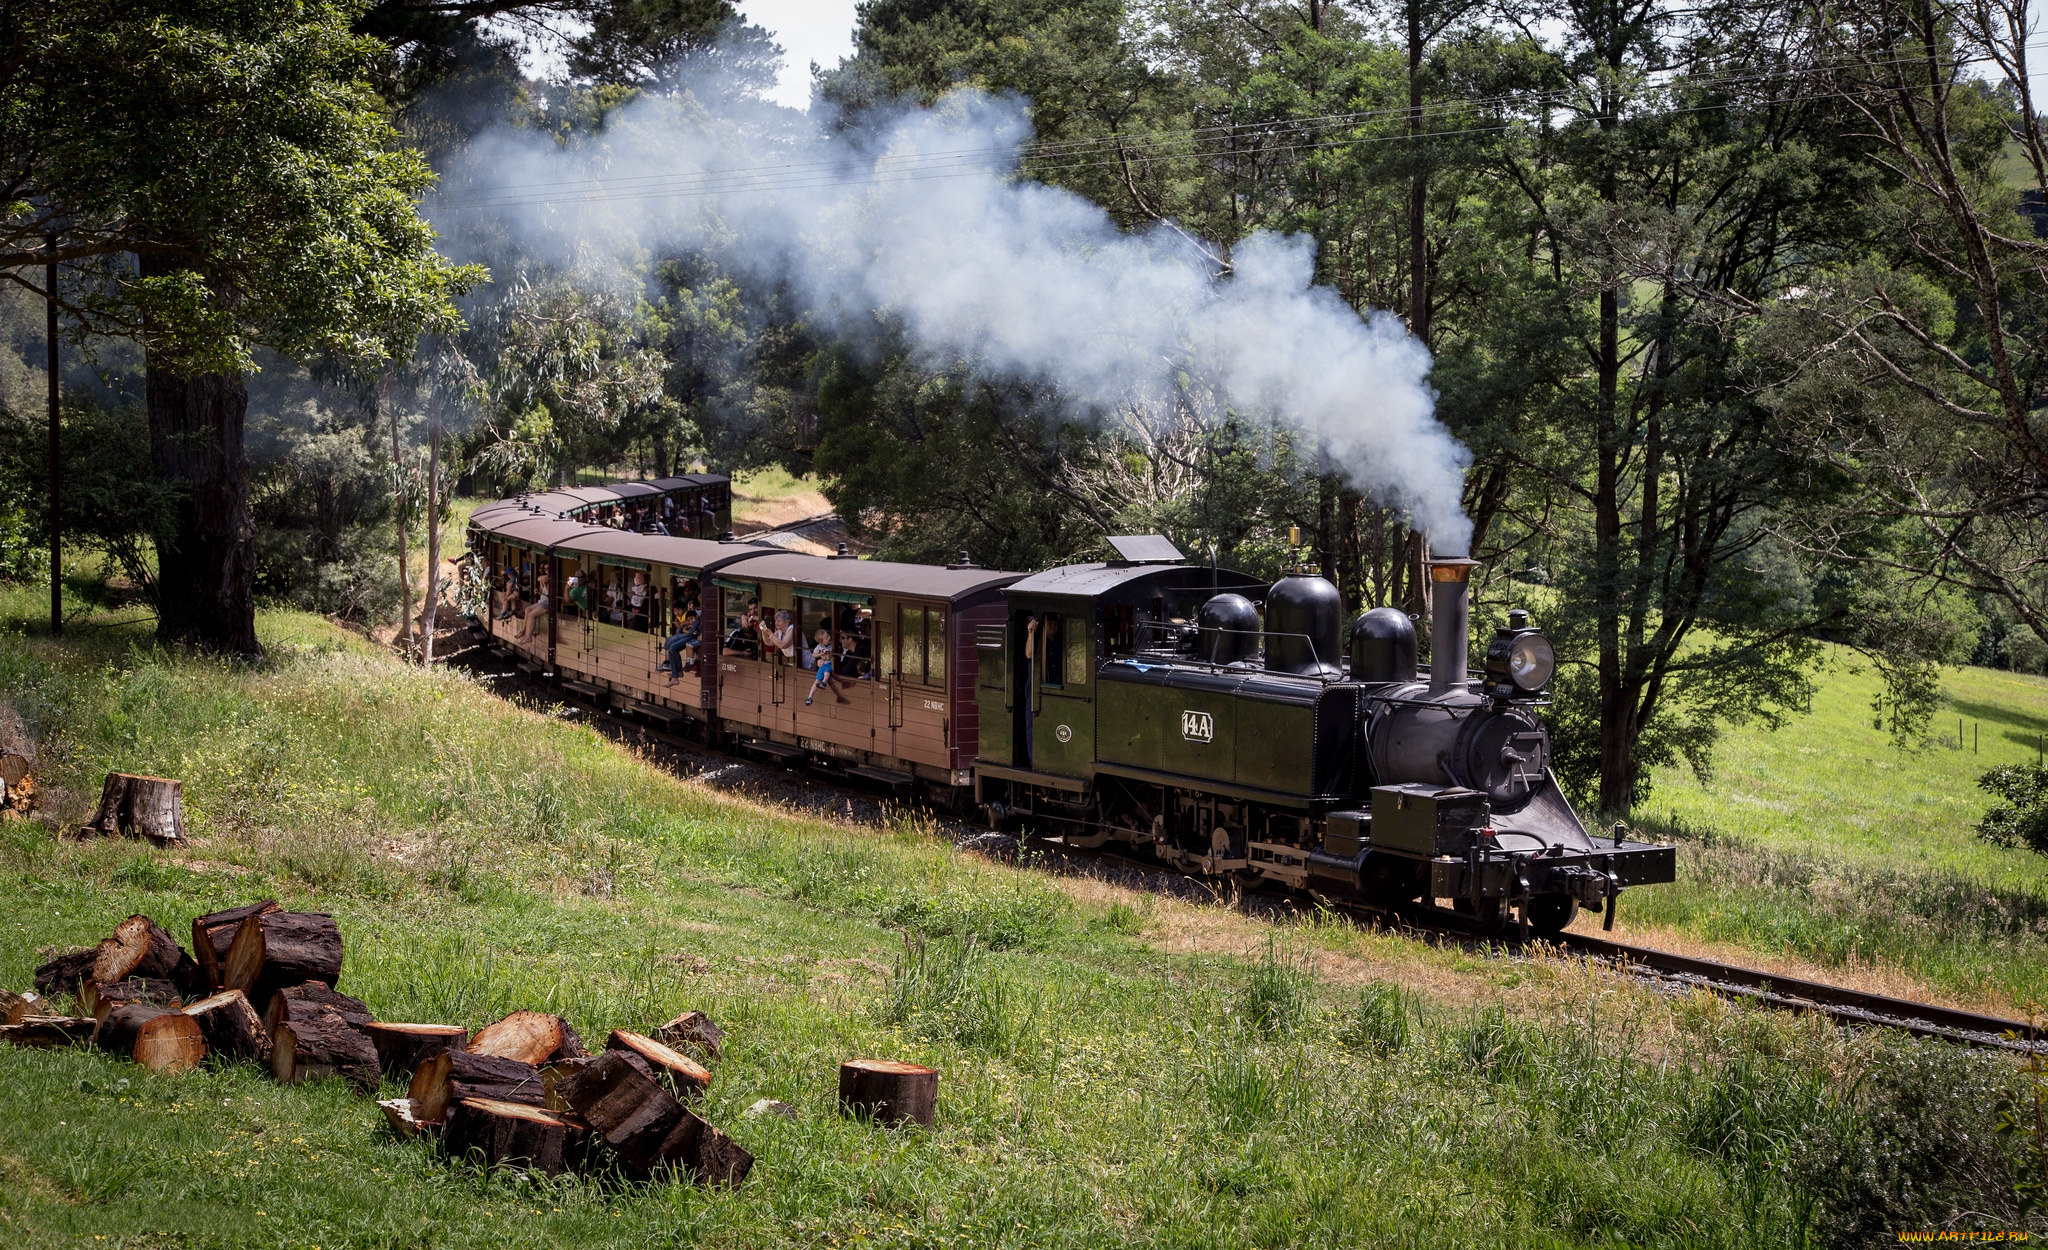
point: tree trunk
(317, 1042)
(1418, 187)
(445, 1079)
(141, 807)
(17, 753)
(230, 1026)
(531, 1037)
(430, 608)
(214, 932)
(404, 557)
(281, 948)
(49, 1032)
(509, 1134)
(162, 1039)
(888, 1091)
(689, 1077)
(206, 560)
(297, 1000)
(401, 1048)
(693, 1031)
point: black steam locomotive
(1224, 726)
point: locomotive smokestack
(1450, 612)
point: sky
(808, 30)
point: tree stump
(17, 759)
(280, 948)
(889, 1092)
(453, 1075)
(401, 1048)
(14, 1008)
(97, 1000)
(693, 1031)
(530, 1037)
(293, 999)
(214, 932)
(58, 978)
(690, 1077)
(317, 1042)
(141, 807)
(48, 1032)
(162, 1039)
(626, 1107)
(508, 1134)
(231, 1027)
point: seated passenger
(539, 609)
(576, 595)
(636, 602)
(681, 644)
(781, 641)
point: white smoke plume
(922, 219)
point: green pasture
(1119, 1071)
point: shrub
(2022, 820)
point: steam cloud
(922, 219)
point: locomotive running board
(1029, 778)
(1278, 798)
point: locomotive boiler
(1232, 728)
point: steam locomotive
(1228, 727)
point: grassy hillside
(1119, 1070)
(1826, 841)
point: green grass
(1119, 1071)
(1828, 840)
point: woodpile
(140, 807)
(521, 1092)
(17, 765)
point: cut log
(162, 1039)
(689, 1076)
(46, 1032)
(14, 1008)
(280, 948)
(141, 807)
(214, 932)
(693, 1032)
(398, 1114)
(231, 1026)
(530, 1037)
(97, 1000)
(140, 947)
(17, 757)
(317, 1042)
(401, 1048)
(453, 1075)
(58, 978)
(713, 1157)
(509, 1134)
(297, 998)
(626, 1108)
(552, 1076)
(889, 1092)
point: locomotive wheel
(1489, 916)
(1550, 914)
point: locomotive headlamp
(1531, 661)
(1519, 661)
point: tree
(239, 154)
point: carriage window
(1053, 635)
(913, 644)
(935, 647)
(885, 647)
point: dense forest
(1737, 310)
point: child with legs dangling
(821, 658)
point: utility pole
(56, 526)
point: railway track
(1664, 969)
